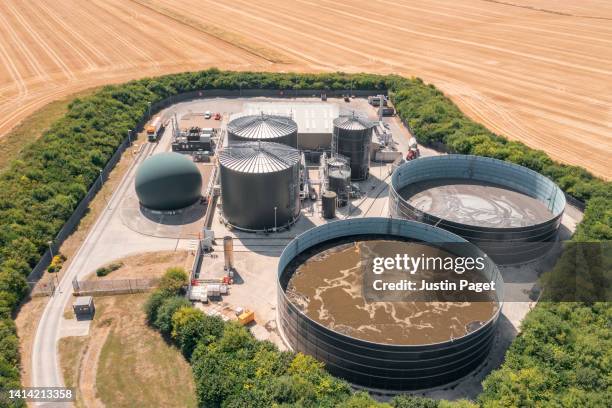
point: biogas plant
(286, 200)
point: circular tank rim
(348, 122)
(502, 165)
(280, 127)
(320, 238)
(279, 228)
(258, 157)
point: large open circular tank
(509, 211)
(324, 309)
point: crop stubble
(538, 72)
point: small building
(84, 308)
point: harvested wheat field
(538, 71)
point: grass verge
(71, 350)
(136, 366)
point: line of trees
(233, 369)
(563, 355)
(41, 187)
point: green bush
(238, 368)
(190, 327)
(170, 286)
(9, 380)
(9, 343)
(174, 280)
(153, 303)
(105, 270)
(408, 401)
(361, 400)
(562, 355)
(163, 320)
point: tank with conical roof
(352, 138)
(260, 185)
(339, 178)
(267, 128)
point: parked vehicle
(386, 111)
(413, 150)
(413, 153)
(378, 100)
(154, 128)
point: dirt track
(537, 71)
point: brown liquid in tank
(476, 203)
(328, 289)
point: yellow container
(246, 317)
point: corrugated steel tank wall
(339, 181)
(267, 128)
(375, 365)
(352, 138)
(339, 177)
(255, 178)
(505, 245)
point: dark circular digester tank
(352, 137)
(525, 240)
(377, 365)
(260, 185)
(267, 128)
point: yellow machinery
(246, 317)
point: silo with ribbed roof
(260, 185)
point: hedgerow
(563, 355)
(233, 369)
(41, 188)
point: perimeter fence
(113, 286)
